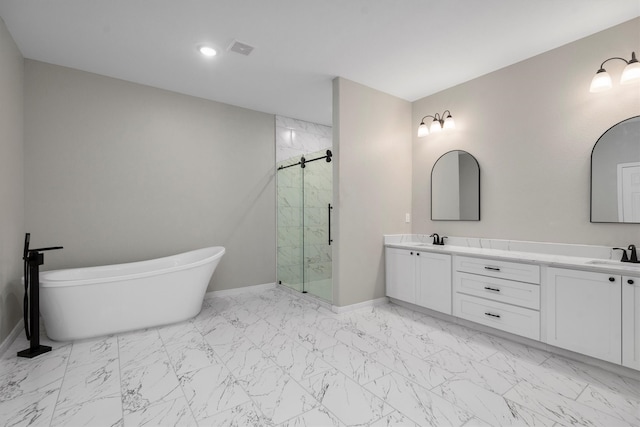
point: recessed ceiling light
(207, 51)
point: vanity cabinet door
(583, 313)
(433, 281)
(400, 274)
(631, 322)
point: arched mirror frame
(591, 198)
(478, 192)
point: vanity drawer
(502, 269)
(507, 291)
(506, 317)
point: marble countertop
(597, 259)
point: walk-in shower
(304, 198)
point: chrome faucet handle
(624, 254)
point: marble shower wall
(297, 138)
(302, 212)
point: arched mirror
(455, 187)
(615, 174)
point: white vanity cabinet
(501, 294)
(584, 311)
(433, 281)
(586, 305)
(400, 274)
(631, 322)
(418, 277)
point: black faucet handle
(624, 254)
(442, 239)
(633, 257)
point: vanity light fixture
(207, 51)
(631, 73)
(439, 123)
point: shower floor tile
(270, 358)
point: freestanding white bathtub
(89, 302)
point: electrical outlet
(407, 218)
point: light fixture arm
(433, 117)
(438, 117)
(633, 56)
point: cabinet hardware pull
(630, 281)
(612, 279)
(418, 253)
(492, 268)
(410, 253)
(492, 315)
(492, 289)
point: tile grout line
(362, 386)
(184, 395)
(64, 375)
(320, 404)
(430, 390)
(238, 380)
(291, 377)
(582, 392)
(117, 337)
(530, 409)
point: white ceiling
(407, 48)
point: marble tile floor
(269, 358)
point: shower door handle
(329, 207)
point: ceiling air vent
(241, 48)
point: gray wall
(372, 185)
(532, 126)
(11, 182)
(120, 172)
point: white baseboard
(357, 306)
(242, 290)
(11, 337)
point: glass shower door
(290, 225)
(316, 214)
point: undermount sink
(614, 263)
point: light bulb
(435, 126)
(423, 130)
(207, 51)
(631, 73)
(601, 81)
(449, 123)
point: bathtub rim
(47, 282)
